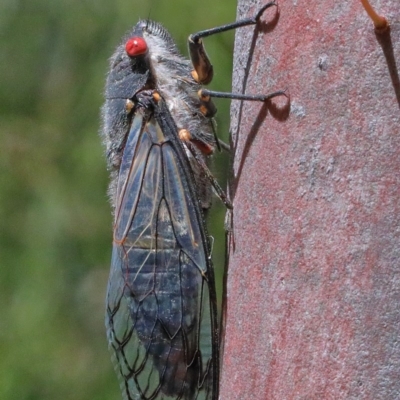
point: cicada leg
(203, 70)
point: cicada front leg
(203, 70)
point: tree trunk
(313, 287)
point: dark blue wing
(161, 308)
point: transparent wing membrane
(160, 318)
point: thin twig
(380, 22)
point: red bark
(313, 289)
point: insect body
(161, 305)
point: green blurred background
(55, 229)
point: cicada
(161, 308)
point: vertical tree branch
(313, 288)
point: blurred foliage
(55, 231)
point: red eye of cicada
(135, 46)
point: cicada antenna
(148, 16)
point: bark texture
(313, 288)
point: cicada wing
(160, 319)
